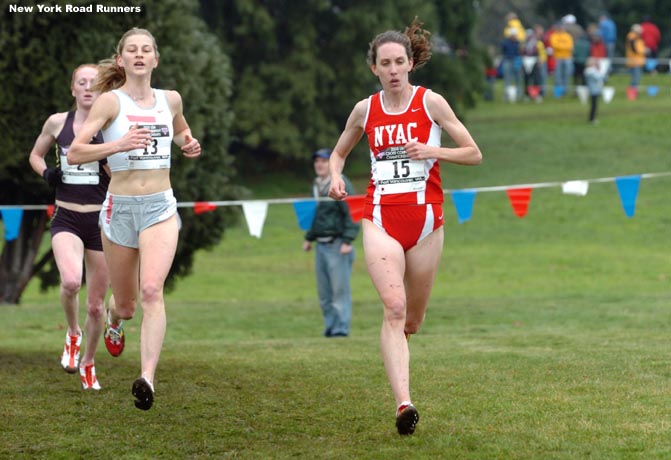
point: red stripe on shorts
(108, 211)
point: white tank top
(158, 119)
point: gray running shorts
(123, 217)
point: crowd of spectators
(532, 61)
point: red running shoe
(114, 337)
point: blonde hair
(417, 43)
(110, 75)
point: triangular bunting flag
(583, 93)
(632, 93)
(50, 210)
(608, 93)
(305, 213)
(519, 200)
(653, 90)
(575, 187)
(12, 220)
(255, 215)
(201, 207)
(627, 187)
(355, 204)
(463, 202)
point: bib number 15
(401, 168)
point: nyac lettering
(396, 134)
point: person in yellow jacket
(635, 54)
(561, 43)
(513, 22)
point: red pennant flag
(519, 200)
(355, 204)
(50, 210)
(201, 207)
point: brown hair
(417, 43)
(110, 75)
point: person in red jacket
(651, 37)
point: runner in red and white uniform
(403, 218)
(398, 183)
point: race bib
(156, 155)
(84, 174)
(396, 173)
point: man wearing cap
(333, 232)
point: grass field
(547, 337)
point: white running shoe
(88, 377)
(70, 356)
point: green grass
(547, 337)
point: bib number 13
(153, 149)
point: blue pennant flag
(463, 202)
(12, 220)
(305, 213)
(627, 187)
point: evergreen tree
(300, 65)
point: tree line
(263, 82)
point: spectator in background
(533, 52)
(333, 231)
(635, 54)
(594, 78)
(608, 32)
(562, 44)
(598, 50)
(580, 54)
(572, 27)
(542, 57)
(651, 37)
(551, 61)
(492, 61)
(512, 21)
(511, 66)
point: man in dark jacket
(333, 231)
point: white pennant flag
(575, 187)
(255, 215)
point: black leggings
(592, 108)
